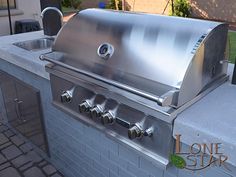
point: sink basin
(35, 45)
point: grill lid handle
(165, 100)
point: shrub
(112, 4)
(76, 3)
(66, 3)
(71, 3)
(181, 8)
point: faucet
(51, 26)
(51, 8)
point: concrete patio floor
(19, 158)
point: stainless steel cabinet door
(22, 103)
(9, 95)
(29, 112)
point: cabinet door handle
(18, 109)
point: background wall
(214, 9)
(218, 10)
(150, 6)
(91, 3)
(25, 9)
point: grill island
(130, 75)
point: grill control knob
(85, 106)
(96, 111)
(107, 118)
(135, 132)
(149, 132)
(66, 96)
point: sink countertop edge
(28, 60)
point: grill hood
(169, 59)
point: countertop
(211, 119)
(28, 60)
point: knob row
(136, 131)
(97, 111)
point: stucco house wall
(150, 6)
(223, 10)
(91, 3)
(25, 9)
(220, 10)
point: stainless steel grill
(129, 74)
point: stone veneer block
(3, 139)
(10, 172)
(49, 169)
(11, 152)
(17, 140)
(34, 172)
(20, 161)
(2, 159)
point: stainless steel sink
(35, 45)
